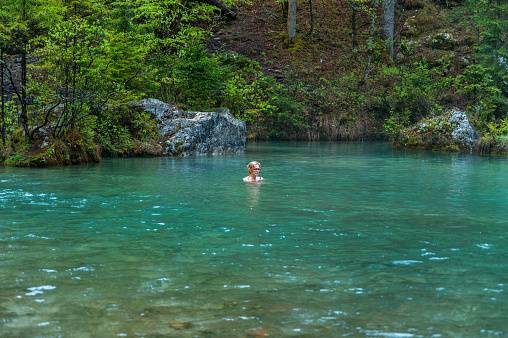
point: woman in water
(254, 169)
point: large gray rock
(463, 130)
(197, 133)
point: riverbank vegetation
(344, 70)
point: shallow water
(339, 240)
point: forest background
(351, 70)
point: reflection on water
(362, 241)
(253, 191)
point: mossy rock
(410, 28)
(431, 134)
(469, 41)
(442, 41)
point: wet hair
(252, 165)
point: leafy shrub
(486, 100)
(248, 100)
(201, 80)
(287, 120)
(118, 129)
(414, 97)
(195, 78)
(496, 139)
(9, 123)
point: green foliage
(82, 58)
(90, 54)
(486, 99)
(113, 138)
(416, 89)
(287, 120)
(118, 129)
(195, 77)
(21, 20)
(168, 23)
(10, 119)
(248, 100)
(498, 129)
(396, 123)
(491, 20)
(495, 138)
(16, 148)
(72, 147)
(201, 80)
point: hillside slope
(321, 72)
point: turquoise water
(351, 240)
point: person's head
(254, 167)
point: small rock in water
(176, 324)
(260, 333)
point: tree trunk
(370, 44)
(292, 20)
(23, 118)
(354, 31)
(311, 18)
(387, 23)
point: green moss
(72, 148)
(298, 44)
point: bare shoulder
(247, 179)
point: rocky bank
(196, 133)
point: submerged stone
(154, 311)
(197, 133)
(179, 325)
(260, 333)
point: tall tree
(84, 63)
(21, 21)
(88, 54)
(485, 82)
(370, 44)
(354, 26)
(311, 30)
(109, 52)
(292, 20)
(387, 23)
(357, 8)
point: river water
(339, 240)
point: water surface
(339, 240)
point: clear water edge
(340, 240)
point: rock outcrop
(197, 133)
(463, 130)
(451, 131)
